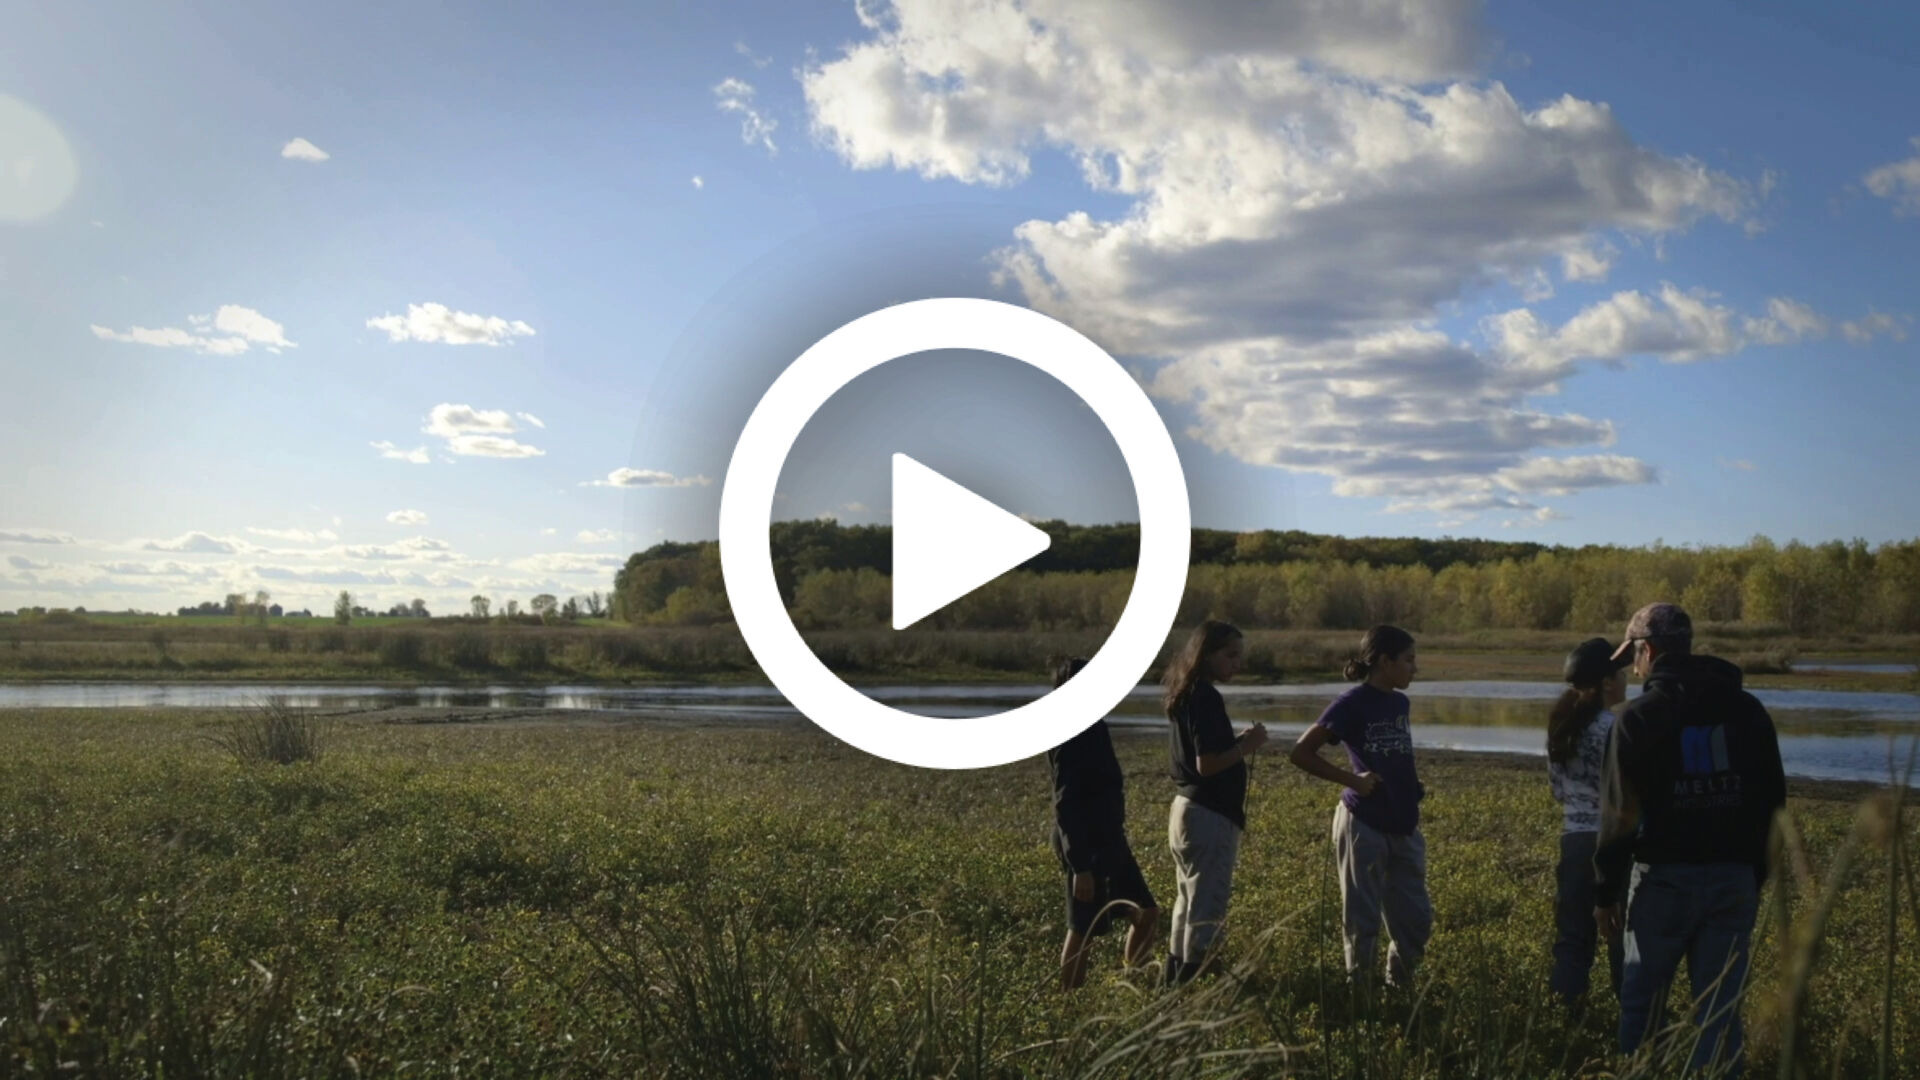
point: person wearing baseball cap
(1577, 733)
(1689, 789)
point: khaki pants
(1205, 846)
(1381, 874)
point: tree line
(834, 576)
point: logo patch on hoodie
(1707, 776)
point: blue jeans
(1703, 913)
(1578, 938)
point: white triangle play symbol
(947, 541)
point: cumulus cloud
(1583, 262)
(568, 562)
(1306, 187)
(296, 536)
(420, 544)
(1673, 325)
(168, 568)
(757, 60)
(698, 183)
(756, 127)
(596, 536)
(417, 456)
(229, 331)
(1899, 182)
(1876, 324)
(197, 543)
(471, 432)
(440, 324)
(302, 150)
(407, 517)
(624, 477)
(34, 536)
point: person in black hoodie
(1689, 788)
(1090, 838)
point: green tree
(481, 606)
(343, 608)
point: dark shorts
(1119, 878)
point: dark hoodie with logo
(1692, 775)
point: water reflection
(1823, 734)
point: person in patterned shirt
(1576, 747)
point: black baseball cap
(1592, 661)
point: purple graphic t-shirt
(1372, 725)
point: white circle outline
(746, 509)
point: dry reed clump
(273, 732)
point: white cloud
(569, 562)
(424, 543)
(1899, 182)
(736, 96)
(471, 432)
(1564, 476)
(596, 536)
(625, 477)
(198, 543)
(34, 536)
(698, 182)
(531, 419)
(1587, 262)
(418, 455)
(239, 328)
(448, 421)
(1305, 195)
(1675, 326)
(493, 446)
(757, 60)
(302, 150)
(548, 532)
(168, 568)
(21, 562)
(407, 517)
(437, 323)
(296, 536)
(1876, 324)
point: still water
(1838, 735)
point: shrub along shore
(465, 651)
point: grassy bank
(452, 651)
(603, 898)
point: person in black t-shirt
(1090, 838)
(1209, 769)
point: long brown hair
(1383, 642)
(1190, 667)
(1576, 710)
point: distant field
(471, 651)
(608, 898)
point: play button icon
(947, 541)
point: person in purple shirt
(1376, 825)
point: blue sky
(430, 300)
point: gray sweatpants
(1381, 873)
(1205, 846)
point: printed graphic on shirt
(1707, 775)
(1389, 737)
